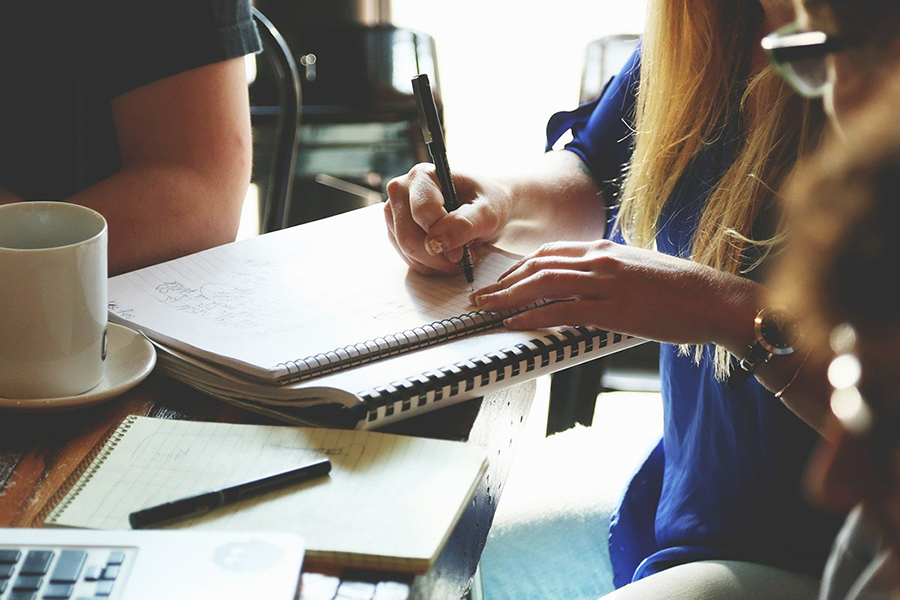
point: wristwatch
(776, 332)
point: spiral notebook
(390, 502)
(323, 323)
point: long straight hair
(695, 57)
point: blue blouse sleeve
(602, 129)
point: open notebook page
(389, 502)
(260, 303)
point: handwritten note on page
(290, 294)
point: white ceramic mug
(53, 299)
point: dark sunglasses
(799, 56)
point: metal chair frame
(277, 201)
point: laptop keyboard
(36, 573)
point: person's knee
(720, 580)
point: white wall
(507, 65)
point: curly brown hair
(876, 20)
(841, 262)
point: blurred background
(499, 70)
(506, 66)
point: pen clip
(422, 92)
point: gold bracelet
(780, 392)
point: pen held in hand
(434, 139)
(194, 506)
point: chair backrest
(604, 58)
(275, 194)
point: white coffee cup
(53, 299)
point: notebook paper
(390, 501)
(264, 302)
(323, 324)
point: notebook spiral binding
(86, 470)
(495, 366)
(392, 345)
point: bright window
(505, 66)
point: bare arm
(800, 376)
(655, 296)
(7, 197)
(557, 201)
(808, 393)
(186, 159)
(734, 302)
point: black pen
(434, 139)
(194, 506)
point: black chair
(275, 115)
(604, 58)
(360, 126)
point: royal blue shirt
(725, 481)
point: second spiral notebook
(390, 502)
(323, 323)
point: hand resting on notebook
(621, 288)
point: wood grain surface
(40, 451)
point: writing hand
(429, 239)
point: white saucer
(130, 358)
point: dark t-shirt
(63, 63)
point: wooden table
(39, 451)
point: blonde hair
(695, 56)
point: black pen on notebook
(195, 506)
(434, 139)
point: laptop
(142, 565)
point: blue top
(725, 481)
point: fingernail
(434, 246)
(454, 255)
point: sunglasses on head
(799, 56)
